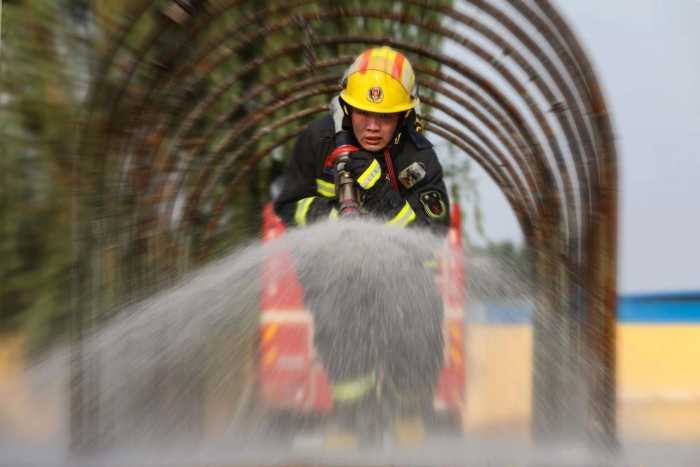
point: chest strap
(390, 169)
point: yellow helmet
(380, 80)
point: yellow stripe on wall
(658, 358)
(658, 378)
(499, 380)
(659, 381)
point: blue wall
(675, 307)
(678, 307)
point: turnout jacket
(308, 189)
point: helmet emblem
(375, 94)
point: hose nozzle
(345, 188)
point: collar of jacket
(420, 141)
(407, 129)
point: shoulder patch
(412, 174)
(433, 204)
(328, 165)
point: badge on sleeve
(412, 174)
(328, 165)
(433, 204)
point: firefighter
(399, 180)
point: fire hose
(345, 188)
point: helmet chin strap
(399, 127)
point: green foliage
(37, 115)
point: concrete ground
(438, 451)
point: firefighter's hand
(364, 169)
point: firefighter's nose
(373, 124)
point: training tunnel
(193, 105)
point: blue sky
(647, 55)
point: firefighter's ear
(347, 123)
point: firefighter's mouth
(371, 140)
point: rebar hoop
(177, 115)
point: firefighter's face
(373, 130)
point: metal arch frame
(573, 262)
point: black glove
(364, 169)
(378, 194)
